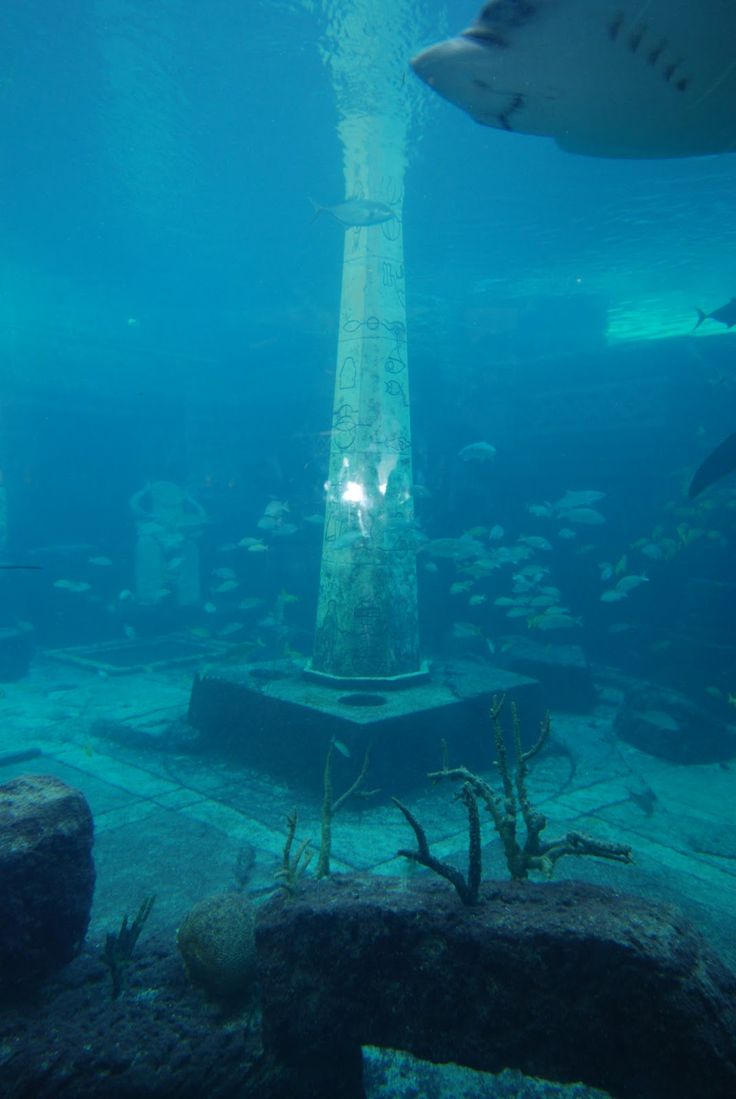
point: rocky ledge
(564, 981)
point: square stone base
(279, 722)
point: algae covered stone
(47, 877)
(217, 943)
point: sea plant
(532, 853)
(294, 866)
(119, 947)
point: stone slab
(142, 655)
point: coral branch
(330, 807)
(467, 888)
(504, 808)
(293, 867)
(119, 948)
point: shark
(606, 78)
(719, 463)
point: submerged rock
(667, 724)
(563, 981)
(159, 1040)
(563, 671)
(47, 877)
(393, 1074)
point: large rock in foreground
(47, 877)
(563, 981)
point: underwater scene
(368, 549)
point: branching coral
(293, 867)
(504, 808)
(331, 806)
(467, 887)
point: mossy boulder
(217, 943)
(47, 877)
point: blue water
(160, 269)
(169, 309)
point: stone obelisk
(367, 627)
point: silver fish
(226, 585)
(579, 498)
(555, 622)
(458, 548)
(356, 212)
(72, 585)
(628, 583)
(587, 516)
(477, 452)
(348, 539)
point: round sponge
(217, 943)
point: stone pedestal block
(280, 722)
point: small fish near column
(367, 622)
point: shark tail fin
(701, 315)
(317, 210)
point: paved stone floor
(172, 823)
